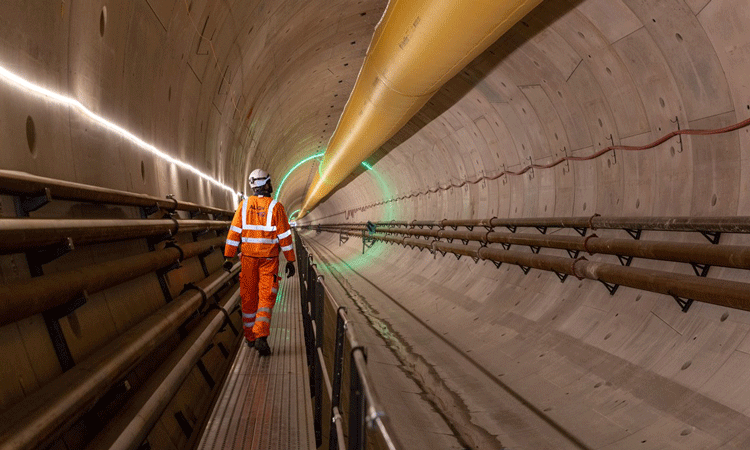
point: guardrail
(365, 410)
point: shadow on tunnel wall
(539, 19)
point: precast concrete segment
(45, 414)
(414, 51)
(23, 234)
(23, 299)
(265, 401)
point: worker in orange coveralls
(261, 226)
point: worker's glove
(289, 269)
(228, 264)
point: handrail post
(357, 424)
(338, 367)
(309, 333)
(318, 308)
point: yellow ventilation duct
(417, 47)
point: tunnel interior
(114, 93)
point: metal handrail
(365, 409)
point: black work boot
(261, 344)
(249, 343)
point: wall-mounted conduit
(524, 169)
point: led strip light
(22, 84)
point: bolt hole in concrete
(597, 385)
(662, 102)
(724, 316)
(686, 365)
(31, 135)
(169, 94)
(678, 36)
(143, 172)
(713, 200)
(102, 21)
(671, 150)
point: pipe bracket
(27, 203)
(204, 296)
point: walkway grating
(265, 402)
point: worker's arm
(234, 237)
(284, 232)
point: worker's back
(261, 226)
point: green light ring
(278, 190)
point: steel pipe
(18, 235)
(738, 224)
(21, 183)
(22, 299)
(734, 256)
(136, 419)
(42, 416)
(727, 293)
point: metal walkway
(265, 402)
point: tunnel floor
(265, 402)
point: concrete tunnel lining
(227, 87)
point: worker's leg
(249, 292)
(268, 287)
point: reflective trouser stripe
(268, 310)
(248, 316)
(264, 319)
(286, 248)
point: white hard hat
(259, 178)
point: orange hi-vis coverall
(261, 226)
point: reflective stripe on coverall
(260, 229)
